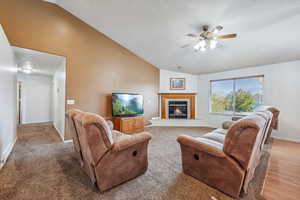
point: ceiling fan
(208, 38)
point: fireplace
(177, 109)
(177, 105)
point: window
(237, 95)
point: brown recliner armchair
(70, 126)
(275, 120)
(274, 123)
(108, 157)
(223, 160)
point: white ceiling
(268, 30)
(42, 63)
(51, 1)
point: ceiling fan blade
(208, 34)
(228, 36)
(189, 44)
(192, 35)
(186, 45)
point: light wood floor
(283, 176)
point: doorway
(41, 89)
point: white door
(36, 103)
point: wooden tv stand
(129, 124)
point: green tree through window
(236, 95)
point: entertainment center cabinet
(129, 124)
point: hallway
(36, 165)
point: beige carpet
(42, 167)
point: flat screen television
(126, 104)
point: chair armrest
(110, 124)
(227, 124)
(203, 145)
(127, 142)
(236, 117)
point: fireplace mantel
(177, 93)
(166, 96)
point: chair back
(275, 113)
(73, 132)
(243, 139)
(95, 136)
(268, 116)
(95, 140)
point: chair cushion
(215, 136)
(117, 135)
(210, 142)
(220, 131)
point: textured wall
(190, 82)
(281, 89)
(96, 65)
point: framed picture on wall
(177, 83)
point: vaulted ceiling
(268, 30)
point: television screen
(124, 104)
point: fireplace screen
(178, 109)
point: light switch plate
(70, 101)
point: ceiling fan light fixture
(27, 71)
(197, 47)
(202, 49)
(202, 43)
(27, 68)
(213, 44)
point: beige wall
(96, 65)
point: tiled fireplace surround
(177, 105)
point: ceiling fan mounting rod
(205, 28)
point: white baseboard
(286, 139)
(68, 141)
(178, 122)
(59, 133)
(36, 123)
(6, 153)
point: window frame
(234, 90)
